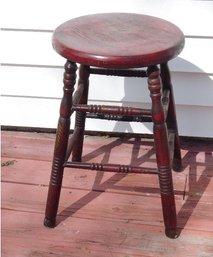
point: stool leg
(80, 116)
(171, 116)
(60, 145)
(162, 153)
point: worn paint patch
(8, 163)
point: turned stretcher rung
(119, 72)
(110, 167)
(117, 110)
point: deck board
(86, 237)
(103, 214)
(121, 207)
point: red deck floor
(103, 215)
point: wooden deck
(103, 215)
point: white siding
(31, 72)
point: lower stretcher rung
(142, 118)
(110, 167)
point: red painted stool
(115, 44)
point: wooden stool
(116, 44)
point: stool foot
(172, 233)
(50, 223)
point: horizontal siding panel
(189, 88)
(193, 89)
(192, 120)
(29, 112)
(196, 57)
(31, 48)
(31, 81)
(195, 121)
(34, 48)
(191, 16)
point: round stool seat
(119, 40)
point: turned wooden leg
(162, 153)
(60, 145)
(171, 117)
(83, 84)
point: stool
(118, 44)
